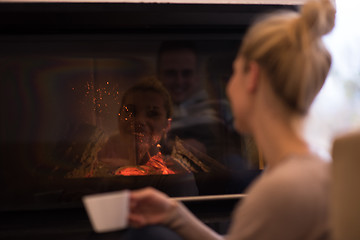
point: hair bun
(319, 16)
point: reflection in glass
(89, 120)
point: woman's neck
(277, 139)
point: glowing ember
(155, 165)
(98, 96)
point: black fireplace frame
(36, 20)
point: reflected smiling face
(144, 116)
(178, 73)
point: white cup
(108, 211)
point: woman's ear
(168, 125)
(166, 128)
(253, 74)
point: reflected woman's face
(144, 116)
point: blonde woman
(281, 66)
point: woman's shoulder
(301, 169)
(287, 201)
(299, 181)
(296, 173)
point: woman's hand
(149, 206)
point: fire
(155, 165)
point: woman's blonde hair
(289, 48)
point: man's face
(178, 73)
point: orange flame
(155, 165)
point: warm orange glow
(155, 165)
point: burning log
(154, 166)
(183, 159)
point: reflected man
(195, 118)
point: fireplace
(64, 68)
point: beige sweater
(286, 203)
